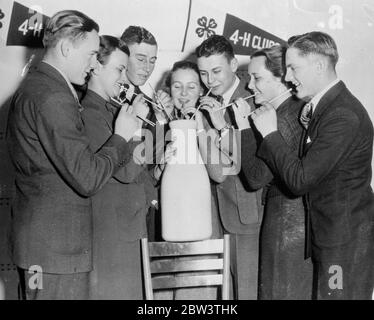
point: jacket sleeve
(254, 169)
(98, 132)
(132, 171)
(62, 135)
(220, 161)
(336, 132)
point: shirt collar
(229, 93)
(317, 98)
(74, 93)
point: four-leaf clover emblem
(206, 27)
(2, 15)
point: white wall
(350, 22)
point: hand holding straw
(144, 120)
(274, 99)
(136, 94)
(198, 108)
(231, 104)
(160, 102)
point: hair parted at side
(274, 59)
(69, 24)
(136, 34)
(183, 65)
(216, 44)
(108, 44)
(316, 42)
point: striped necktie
(306, 115)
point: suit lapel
(310, 135)
(303, 142)
(246, 202)
(109, 120)
(240, 92)
(325, 102)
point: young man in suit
(143, 55)
(142, 61)
(239, 208)
(333, 172)
(55, 170)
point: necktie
(218, 98)
(306, 115)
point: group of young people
(290, 179)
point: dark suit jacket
(334, 173)
(154, 136)
(255, 170)
(128, 211)
(240, 207)
(56, 172)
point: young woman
(185, 88)
(284, 274)
(119, 209)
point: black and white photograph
(186, 150)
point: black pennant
(26, 27)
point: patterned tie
(220, 99)
(306, 115)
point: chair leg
(226, 267)
(146, 270)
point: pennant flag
(204, 21)
(26, 27)
(247, 38)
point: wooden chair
(2, 290)
(170, 265)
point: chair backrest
(168, 265)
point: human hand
(140, 107)
(126, 93)
(241, 110)
(126, 123)
(211, 105)
(265, 119)
(196, 114)
(166, 158)
(165, 104)
(188, 112)
(169, 153)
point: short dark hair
(316, 42)
(183, 65)
(108, 44)
(136, 34)
(70, 24)
(274, 59)
(216, 44)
